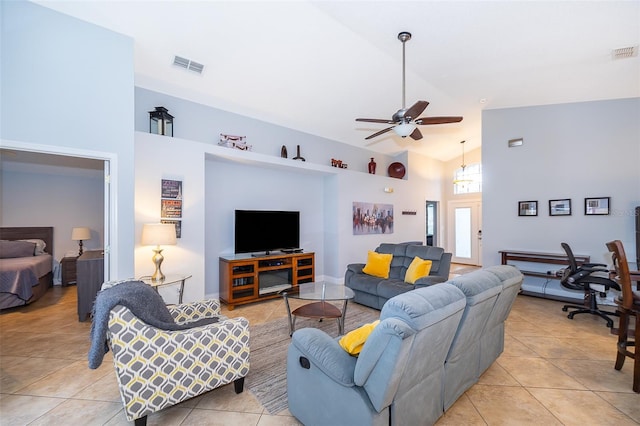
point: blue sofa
(430, 346)
(374, 291)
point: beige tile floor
(554, 371)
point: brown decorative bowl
(396, 170)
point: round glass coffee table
(321, 293)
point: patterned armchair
(157, 368)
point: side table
(68, 268)
(171, 279)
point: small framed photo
(560, 207)
(527, 208)
(597, 206)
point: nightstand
(68, 265)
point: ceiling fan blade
(437, 120)
(375, 120)
(379, 133)
(416, 134)
(416, 109)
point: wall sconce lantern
(161, 122)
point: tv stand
(248, 278)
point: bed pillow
(378, 264)
(40, 246)
(417, 269)
(11, 249)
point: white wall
(163, 157)
(218, 180)
(574, 151)
(67, 87)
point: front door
(465, 234)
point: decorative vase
(372, 167)
(283, 152)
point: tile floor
(554, 371)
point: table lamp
(80, 234)
(157, 234)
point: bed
(25, 276)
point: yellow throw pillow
(378, 264)
(353, 341)
(419, 268)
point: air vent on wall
(624, 52)
(188, 64)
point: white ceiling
(315, 66)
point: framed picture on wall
(527, 208)
(597, 206)
(560, 207)
(372, 218)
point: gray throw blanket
(143, 301)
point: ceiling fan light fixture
(404, 129)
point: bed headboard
(44, 233)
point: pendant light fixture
(462, 179)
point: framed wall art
(597, 206)
(372, 218)
(171, 204)
(527, 208)
(560, 207)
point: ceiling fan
(404, 120)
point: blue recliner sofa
(401, 364)
(374, 291)
(430, 346)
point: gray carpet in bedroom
(267, 378)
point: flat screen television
(266, 231)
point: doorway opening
(432, 223)
(465, 232)
(72, 164)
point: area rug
(267, 378)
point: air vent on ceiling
(188, 64)
(624, 52)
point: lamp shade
(80, 234)
(156, 234)
(404, 129)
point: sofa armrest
(430, 280)
(356, 268)
(445, 265)
(193, 311)
(326, 354)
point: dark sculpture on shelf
(298, 156)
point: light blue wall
(203, 123)
(67, 86)
(574, 151)
(69, 197)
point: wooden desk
(543, 272)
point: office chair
(591, 278)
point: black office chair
(582, 278)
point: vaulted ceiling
(315, 66)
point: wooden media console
(246, 279)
